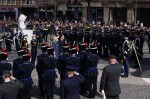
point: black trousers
(92, 85)
(112, 97)
(33, 58)
(99, 50)
(26, 92)
(49, 88)
(41, 83)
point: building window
(9, 2)
(51, 1)
(14, 2)
(24, 2)
(28, 2)
(4, 2)
(20, 2)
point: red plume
(68, 45)
(53, 47)
(2, 50)
(86, 44)
(6, 53)
(24, 49)
(94, 45)
(30, 55)
(76, 48)
(46, 44)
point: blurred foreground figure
(11, 86)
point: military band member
(49, 73)
(4, 65)
(92, 72)
(24, 75)
(33, 49)
(24, 43)
(39, 66)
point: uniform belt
(50, 70)
(93, 68)
(26, 78)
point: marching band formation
(74, 49)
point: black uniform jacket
(70, 86)
(9, 90)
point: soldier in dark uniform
(70, 38)
(69, 87)
(33, 49)
(39, 67)
(39, 37)
(73, 60)
(4, 65)
(112, 43)
(74, 37)
(92, 72)
(17, 40)
(61, 43)
(18, 61)
(110, 79)
(24, 75)
(49, 73)
(62, 61)
(87, 37)
(11, 86)
(105, 42)
(126, 54)
(8, 41)
(80, 36)
(93, 36)
(99, 43)
(83, 58)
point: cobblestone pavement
(133, 87)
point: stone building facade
(118, 10)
